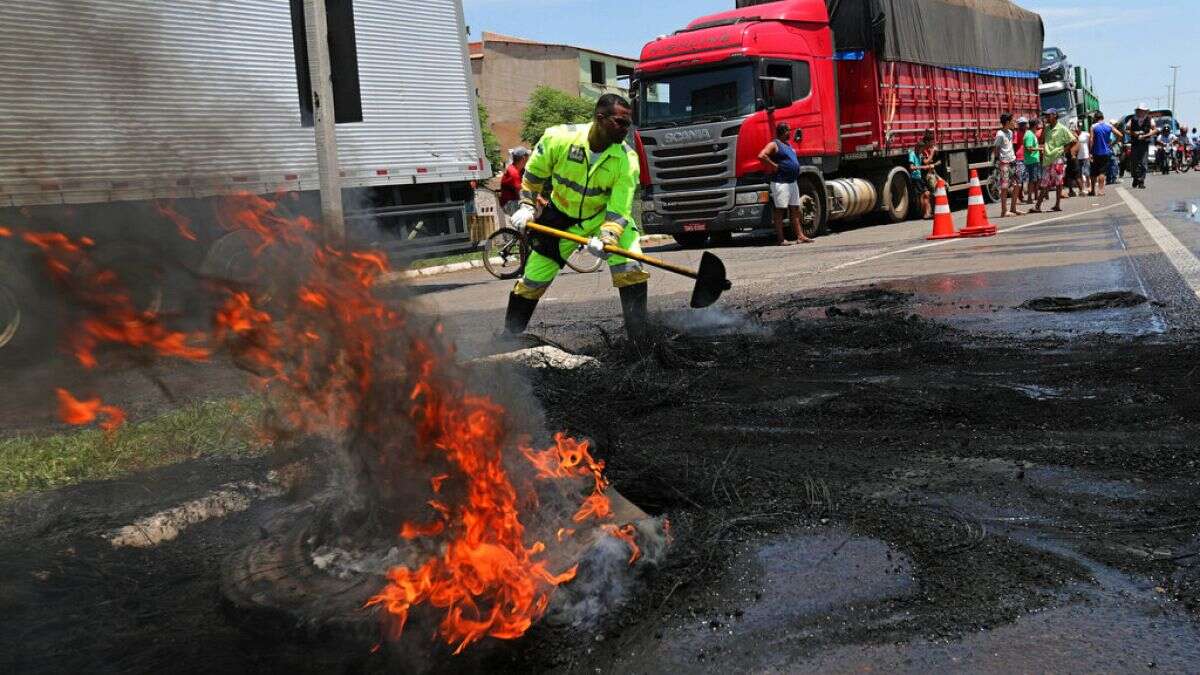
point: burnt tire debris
(773, 422)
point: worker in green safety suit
(594, 177)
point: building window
(598, 75)
(343, 61)
(624, 77)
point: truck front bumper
(737, 218)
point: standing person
(927, 158)
(1033, 161)
(920, 163)
(1165, 149)
(1057, 140)
(784, 165)
(1006, 158)
(1102, 153)
(595, 177)
(1194, 142)
(1071, 162)
(1141, 133)
(1083, 153)
(510, 184)
(1118, 141)
(1019, 153)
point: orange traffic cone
(943, 223)
(978, 224)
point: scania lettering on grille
(687, 136)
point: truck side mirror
(777, 92)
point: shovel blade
(710, 281)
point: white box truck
(108, 107)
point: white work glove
(522, 217)
(595, 246)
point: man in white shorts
(784, 167)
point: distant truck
(1075, 97)
(1055, 66)
(107, 107)
(858, 82)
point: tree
(549, 106)
(491, 145)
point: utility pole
(324, 120)
(1174, 86)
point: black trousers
(1138, 163)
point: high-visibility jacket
(599, 193)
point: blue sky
(1129, 51)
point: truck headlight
(744, 198)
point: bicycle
(506, 250)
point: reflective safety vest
(598, 193)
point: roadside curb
(405, 275)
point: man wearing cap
(1141, 133)
(1056, 141)
(510, 184)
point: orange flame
(182, 222)
(78, 413)
(324, 348)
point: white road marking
(943, 242)
(1158, 323)
(1184, 261)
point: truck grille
(694, 181)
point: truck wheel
(691, 239)
(10, 315)
(895, 197)
(25, 335)
(812, 209)
(991, 189)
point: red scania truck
(859, 82)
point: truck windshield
(1051, 55)
(676, 99)
(1060, 100)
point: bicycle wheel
(504, 253)
(583, 262)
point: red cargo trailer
(859, 82)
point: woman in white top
(1085, 161)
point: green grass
(212, 428)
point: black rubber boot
(520, 309)
(633, 306)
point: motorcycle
(1193, 159)
(1164, 156)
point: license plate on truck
(695, 227)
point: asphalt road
(968, 503)
(1097, 244)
